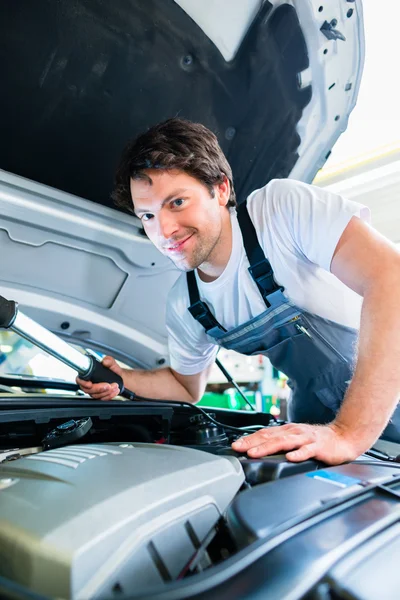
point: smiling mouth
(177, 247)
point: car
(145, 498)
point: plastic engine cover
(254, 514)
(84, 519)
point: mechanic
(328, 317)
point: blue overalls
(316, 354)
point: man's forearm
(159, 384)
(375, 388)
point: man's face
(180, 216)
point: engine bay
(147, 500)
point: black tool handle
(98, 373)
(101, 374)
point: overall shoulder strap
(260, 268)
(199, 309)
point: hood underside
(81, 78)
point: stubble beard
(201, 254)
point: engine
(88, 514)
(85, 520)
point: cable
(241, 430)
(380, 455)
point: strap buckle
(200, 311)
(263, 275)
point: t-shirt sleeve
(190, 349)
(314, 217)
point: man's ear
(223, 191)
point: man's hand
(102, 391)
(326, 443)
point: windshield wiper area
(25, 381)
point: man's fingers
(85, 385)
(304, 453)
(300, 442)
(100, 391)
(286, 438)
(103, 397)
(108, 395)
(275, 446)
(243, 444)
(111, 363)
(108, 360)
(275, 435)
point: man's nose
(168, 226)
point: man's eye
(147, 217)
(178, 202)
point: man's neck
(216, 263)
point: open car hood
(275, 80)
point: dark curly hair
(173, 144)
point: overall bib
(316, 354)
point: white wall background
(375, 121)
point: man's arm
(162, 384)
(370, 265)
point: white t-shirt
(298, 227)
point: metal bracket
(329, 31)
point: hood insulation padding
(81, 77)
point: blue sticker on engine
(337, 479)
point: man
(331, 270)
